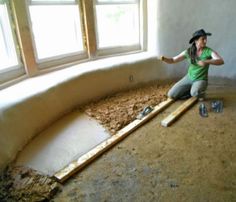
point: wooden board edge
(178, 112)
(63, 174)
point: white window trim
(62, 60)
(60, 2)
(116, 2)
(119, 50)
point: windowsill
(38, 84)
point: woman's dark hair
(192, 52)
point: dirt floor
(193, 160)
(18, 183)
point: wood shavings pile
(117, 111)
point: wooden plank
(25, 40)
(178, 112)
(89, 22)
(87, 158)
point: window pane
(56, 29)
(117, 25)
(8, 56)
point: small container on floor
(203, 110)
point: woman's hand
(161, 58)
(173, 60)
(202, 63)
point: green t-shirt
(196, 72)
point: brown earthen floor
(193, 160)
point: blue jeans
(187, 86)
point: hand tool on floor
(145, 112)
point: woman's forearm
(175, 59)
(215, 61)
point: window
(56, 29)
(118, 25)
(63, 32)
(9, 61)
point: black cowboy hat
(198, 34)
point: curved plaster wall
(29, 107)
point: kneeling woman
(199, 57)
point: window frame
(15, 71)
(62, 59)
(129, 49)
(22, 33)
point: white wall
(177, 20)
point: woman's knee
(194, 92)
(198, 89)
(171, 94)
(197, 93)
